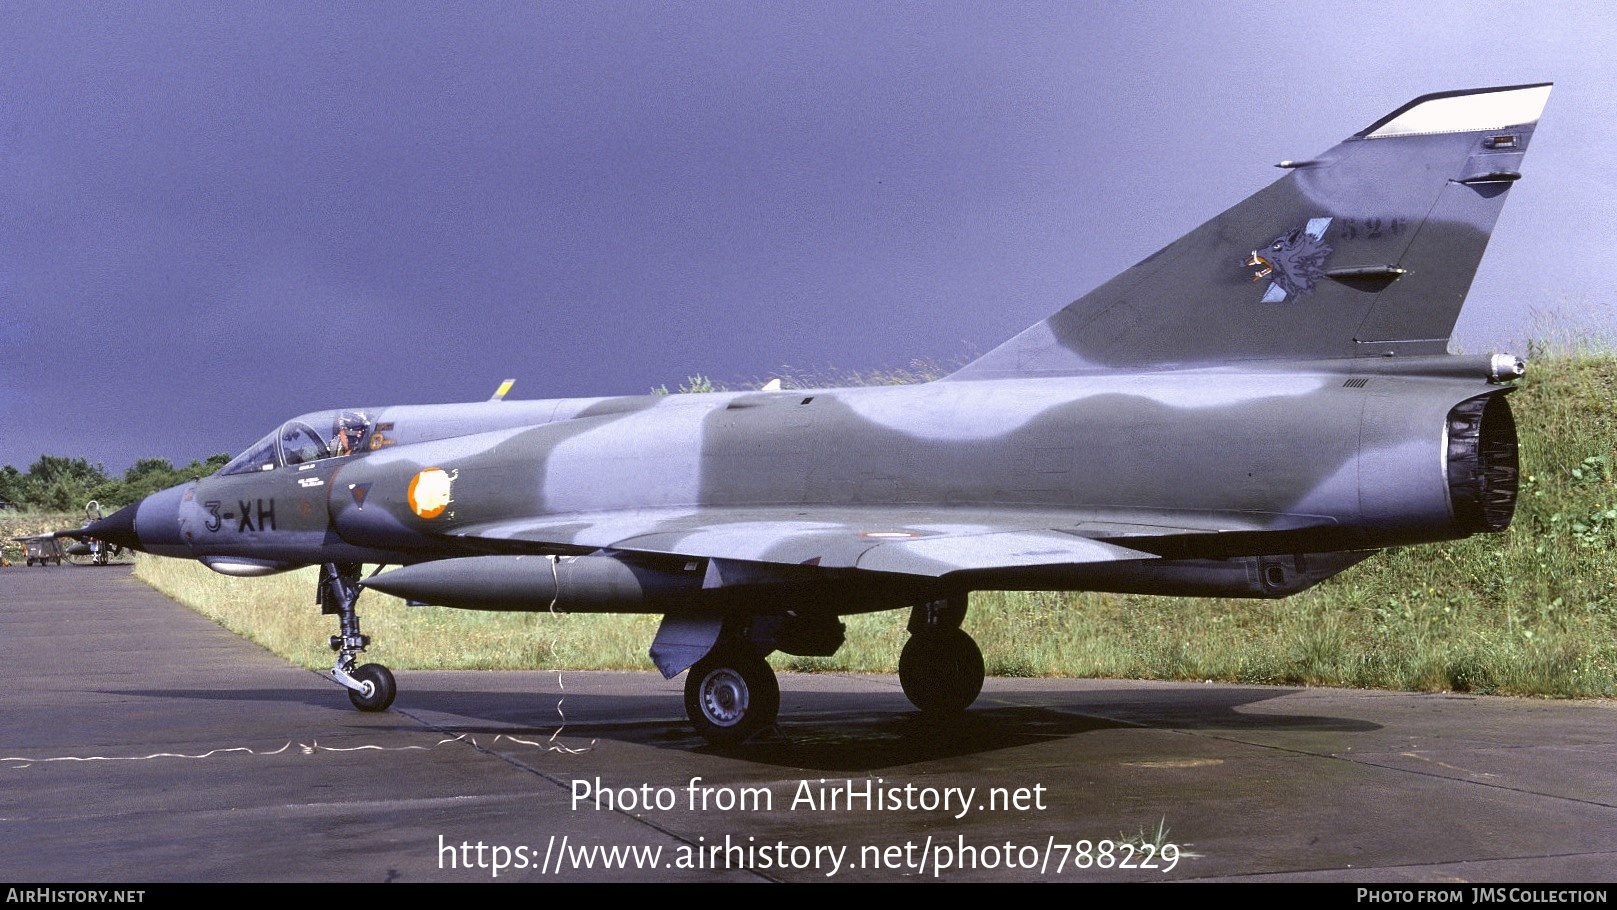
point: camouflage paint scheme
(1261, 404)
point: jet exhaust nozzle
(1483, 467)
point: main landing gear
(731, 694)
(941, 667)
(730, 691)
(370, 686)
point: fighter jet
(1263, 403)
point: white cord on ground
(555, 585)
(309, 748)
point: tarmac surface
(141, 743)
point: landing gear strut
(941, 667)
(370, 686)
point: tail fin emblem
(1294, 262)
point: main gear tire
(731, 695)
(941, 671)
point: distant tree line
(57, 483)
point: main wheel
(730, 695)
(379, 688)
(941, 671)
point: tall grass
(1529, 611)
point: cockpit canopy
(311, 437)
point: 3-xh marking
(1173, 431)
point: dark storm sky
(216, 216)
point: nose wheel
(377, 688)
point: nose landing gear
(370, 686)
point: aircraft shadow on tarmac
(823, 733)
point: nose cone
(117, 529)
(151, 525)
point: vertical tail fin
(1366, 250)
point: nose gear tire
(380, 688)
